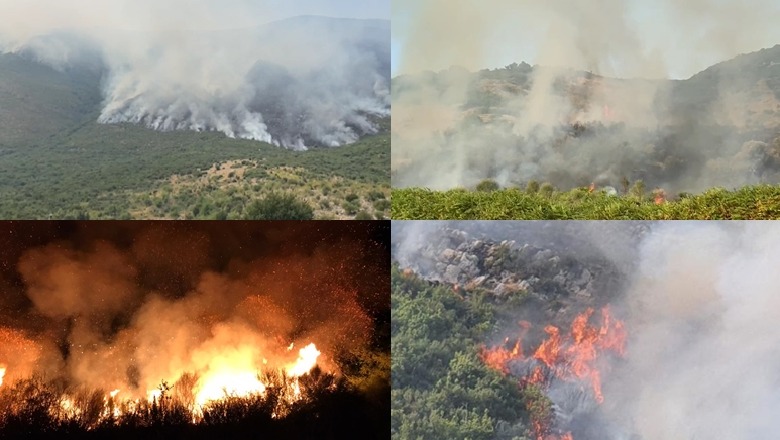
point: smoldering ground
(600, 104)
(124, 306)
(298, 82)
(699, 304)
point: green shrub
(279, 207)
(487, 185)
(363, 215)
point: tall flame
(307, 359)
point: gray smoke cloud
(598, 105)
(699, 304)
(702, 343)
(210, 66)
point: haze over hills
(721, 127)
(145, 131)
(299, 82)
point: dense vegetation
(328, 407)
(760, 202)
(126, 171)
(441, 387)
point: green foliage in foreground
(760, 202)
(441, 388)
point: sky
(677, 39)
(33, 16)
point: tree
(279, 207)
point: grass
(760, 202)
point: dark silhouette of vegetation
(328, 406)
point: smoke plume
(125, 306)
(603, 101)
(698, 302)
(297, 82)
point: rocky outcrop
(506, 269)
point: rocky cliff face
(550, 271)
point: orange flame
(307, 359)
(569, 357)
(2, 375)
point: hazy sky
(677, 38)
(35, 16)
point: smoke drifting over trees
(697, 302)
(599, 104)
(124, 306)
(298, 82)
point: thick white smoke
(443, 136)
(702, 359)
(210, 66)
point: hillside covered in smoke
(721, 127)
(583, 330)
(195, 312)
(299, 82)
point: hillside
(56, 161)
(570, 128)
(459, 293)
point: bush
(351, 208)
(363, 215)
(279, 207)
(487, 185)
(546, 189)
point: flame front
(235, 374)
(571, 357)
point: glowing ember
(307, 359)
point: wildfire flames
(236, 376)
(126, 326)
(572, 357)
(231, 374)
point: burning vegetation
(125, 328)
(585, 330)
(575, 358)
